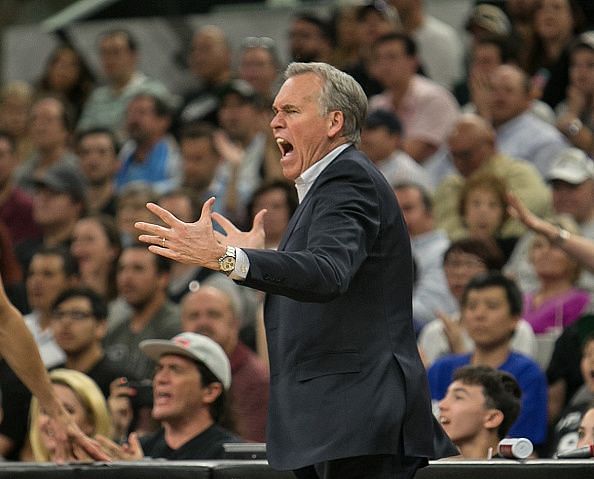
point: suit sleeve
(334, 235)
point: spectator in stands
(491, 307)
(473, 151)
(310, 39)
(381, 141)
(210, 64)
(374, 19)
(67, 75)
(242, 144)
(280, 201)
(480, 406)
(344, 24)
(463, 260)
(556, 22)
(215, 312)
(58, 203)
(97, 150)
(575, 115)
(119, 54)
(520, 134)
(483, 209)
(183, 278)
(142, 282)
(96, 247)
(440, 48)
(572, 184)
(557, 303)
(260, 65)
(201, 163)
(51, 124)
(16, 205)
(567, 430)
(192, 379)
(16, 99)
(430, 291)
(52, 270)
(83, 400)
(130, 206)
(427, 110)
(79, 324)
(521, 14)
(150, 154)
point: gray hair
(340, 92)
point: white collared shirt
(303, 184)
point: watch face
(228, 264)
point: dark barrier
(157, 469)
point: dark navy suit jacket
(346, 377)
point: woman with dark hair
(67, 76)
(556, 22)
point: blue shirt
(532, 421)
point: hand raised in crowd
(453, 331)
(120, 406)
(518, 210)
(231, 152)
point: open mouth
(284, 146)
(443, 420)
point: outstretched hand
(254, 238)
(518, 210)
(189, 243)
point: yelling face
(302, 133)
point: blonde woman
(82, 399)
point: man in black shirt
(191, 379)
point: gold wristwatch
(227, 261)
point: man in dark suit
(349, 396)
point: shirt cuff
(242, 265)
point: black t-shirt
(206, 445)
(103, 373)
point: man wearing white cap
(191, 379)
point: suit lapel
(302, 206)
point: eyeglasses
(75, 315)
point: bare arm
(579, 247)
(20, 351)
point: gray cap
(63, 178)
(490, 18)
(194, 346)
(573, 166)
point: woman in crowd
(96, 247)
(556, 22)
(67, 76)
(575, 115)
(83, 400)
(557, 303)
(483, 209)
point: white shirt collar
(306, 179)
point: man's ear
(336, 123)
(212, 392)
(493, 419)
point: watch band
(227, 261)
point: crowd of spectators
(489, 153)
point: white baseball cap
(194, 346)
(573, 166)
